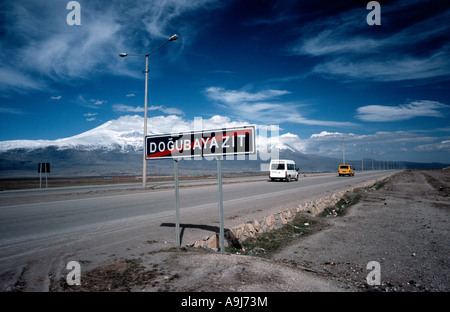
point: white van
(283, 169)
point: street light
(362, 156)
(343, 152)
(144, 163)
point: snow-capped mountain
(125, 133)
(115, 148)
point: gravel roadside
(403, 226)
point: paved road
(41, 231)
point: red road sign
(220, 142)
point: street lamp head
(173, 38)
(122, 54)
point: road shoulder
(403, 227)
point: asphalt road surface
(42, 230)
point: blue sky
(314, 68)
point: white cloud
(330, 41)
(70, 52)
(263, 106)
(12, 79)
(442, 146)
(57, 98)
(97, 102)
(173, 123)
(39, 43)
(394, 69)
(325, 134)
(91, 116)
(380, 113)
(379, 145)
(10, 110)
(92, 103)
(122, 108)
(167, 110)
(235, 96)
(378, 138)
(348, 50)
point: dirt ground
(403, 226)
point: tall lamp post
(144, 163)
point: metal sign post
(43, 168)
(219, 180)
(177, 204)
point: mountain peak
(126, 134)
(123, 133)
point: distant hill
(73, 162)
(115, 149)
(70, 162)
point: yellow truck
(346, 170)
